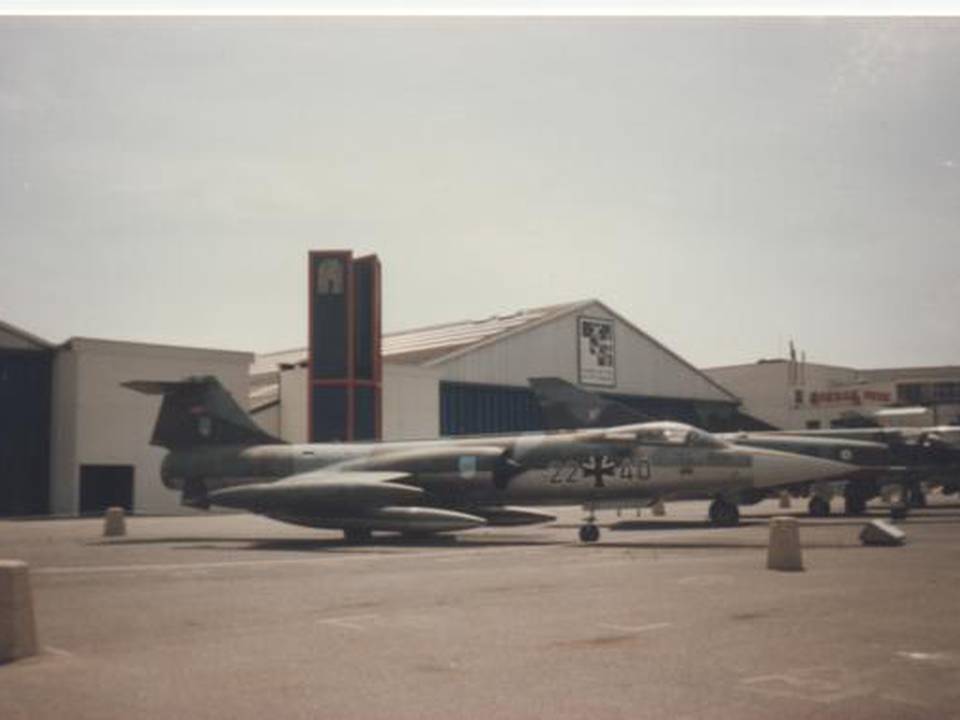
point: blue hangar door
(475, 409)
(24, 432)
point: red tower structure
(345, 368)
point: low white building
(791, 395)
(100, 452)
(471, 376)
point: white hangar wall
(411, 402)
(97, 422)
(769, 390)
(642, 366)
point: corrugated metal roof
(24, 336)
(264, 391)
(421, 345)
(269, 362)
(429, 343)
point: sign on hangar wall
(596, 351)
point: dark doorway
(24, 432)
(104, 486)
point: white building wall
(98, 422)
(63, 435)
(411, 403)
(293, 405)
(642, 366)
(769, 391)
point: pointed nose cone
(771, 468)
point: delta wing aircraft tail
(199, 412)
(566, 407)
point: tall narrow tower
(345, 371)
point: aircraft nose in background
(771, 467)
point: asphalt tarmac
(242, 617)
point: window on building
(813, 424)
(910, 393)
(946, 391)
(798, 397)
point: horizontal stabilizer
(153, 387)
(319, 492)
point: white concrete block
(114, 523)
(878, 532)
(18, 631)
(783, 551)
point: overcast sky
(725, 184)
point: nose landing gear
(589, 532)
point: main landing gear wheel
(589, 533)
(357, 535)
(818, 506)
(724, 513)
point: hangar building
(471, 377)
(72, 439)
(800, 395)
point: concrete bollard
(658, 509)
(877, 532)
(783, 552)
(18, 630)
(784, 500)
(114, 523)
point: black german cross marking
(597, 467)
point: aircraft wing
(346, 498)
(320, 492)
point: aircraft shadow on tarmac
(852, 545)
(926, 516)
(451, 542)
(332, 544)
(939, 514)
(635, 525)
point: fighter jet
(568, 406)
(217, 455)
(925, 455)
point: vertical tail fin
(566, 406)
(198, 411)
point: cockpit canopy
(668, 433)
